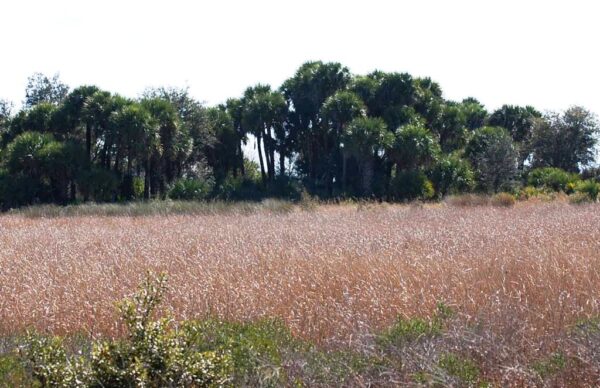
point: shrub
(410, 330)
(411, 185)
(452, 175)
(579, 198)
(589, 187)
(552, 178)
(503, 199)
(99, 185)
(138, 187)
(551, 365)
(529, 192)
(462, 368)
(191, 189)
(153, 354)
(256, 349)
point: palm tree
(365, 138)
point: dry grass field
(518, 278)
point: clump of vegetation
(504, 200)
(381, 136)
(154, 353)
(191, 189)
(589, 188)
(409, 330)
(549, 366)
(552, 178)
(464, 369)
(467, 200)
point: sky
(540, 53)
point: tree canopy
(325, 130)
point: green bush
(410, 330)
(138, 187)
(553, 179)
(462, 368)
(590, 188)
(154, 353)
(99, 185)
(411, 185)
(256, 349)
(191, 189)
(452, 175)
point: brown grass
(527, 272)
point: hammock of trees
(325, 130)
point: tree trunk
(281, 164)
(344, 169)
(260, 159)
(367, 174)
(241, 159)
(147, 180)
(88, 142)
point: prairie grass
(518, 278)
(155, 208)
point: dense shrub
(452, 175)
(154, 353)
(493, 155)
(99, 185)
(503, 199)
(589, 187)
(552, 178)
(408, 185)
(191, 189)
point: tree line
(325, 130)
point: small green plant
(409, 330)
(462, 368)
(551, 365)
(256, 349)
(12, 372)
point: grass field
(523, 281)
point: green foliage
(155, 353)
(552, 178)
(411, 185)
(462, 368)
(493, 155)
(99, 185)
(342, 135)
(552, 365)
(589, 187)
(12, 372)
(405, 331)
(191, 189)
(256, 349)
(519, 121)
(452, 175)
(565, 140)
(414, 147)
(42, 89)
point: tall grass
(518, 278)
(155, 208)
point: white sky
(542, 53)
